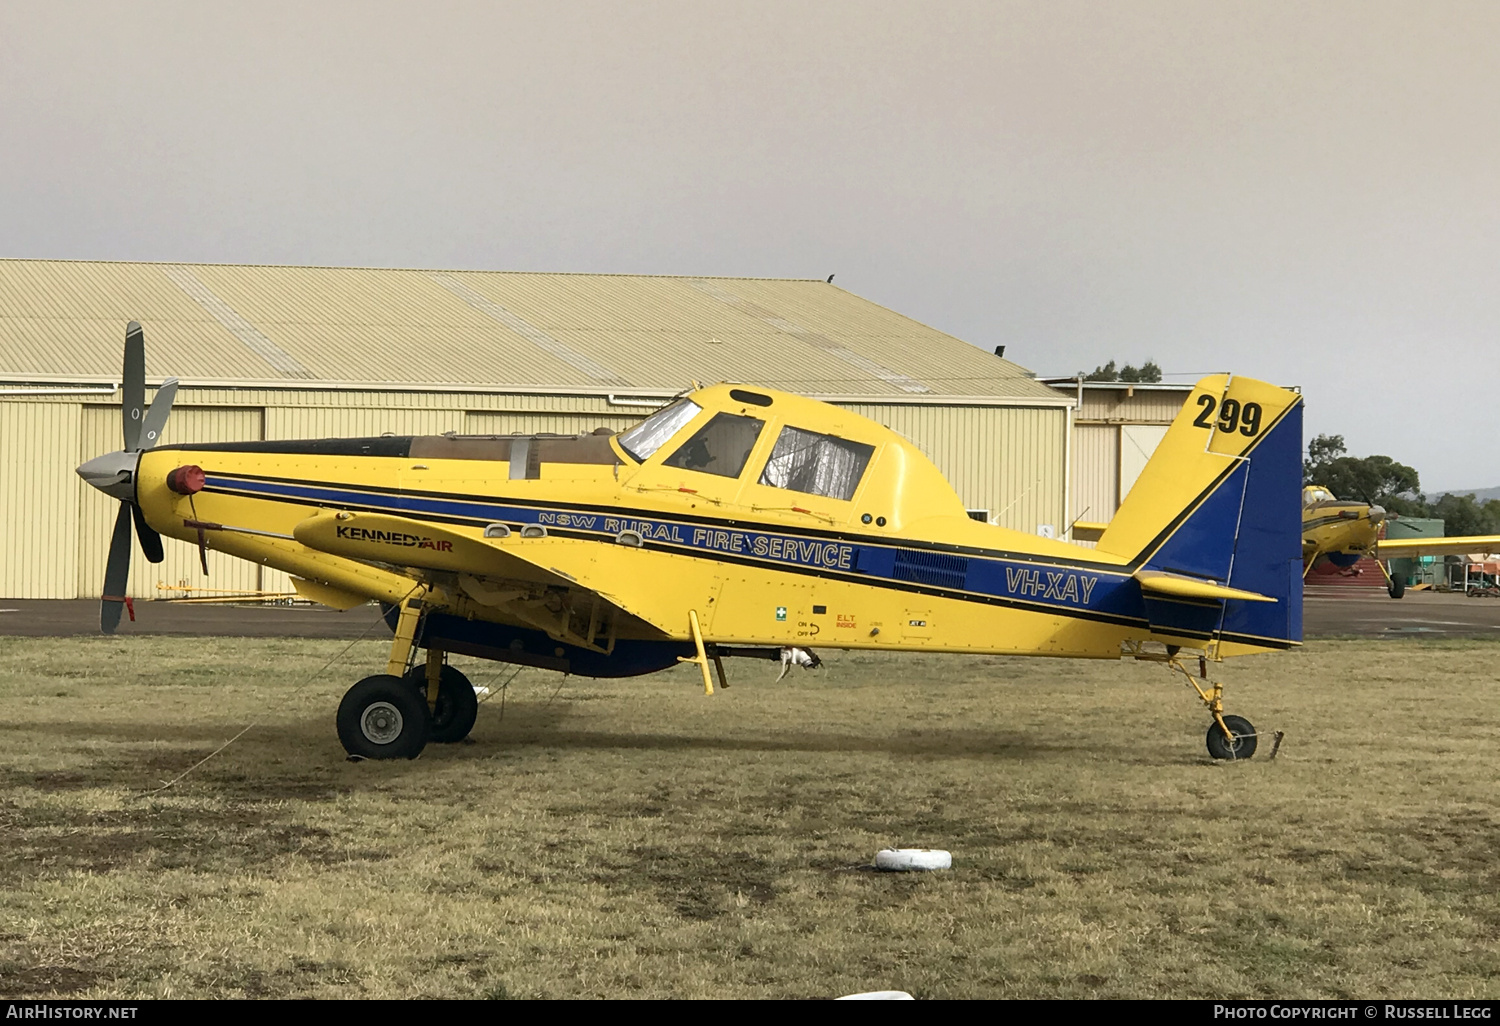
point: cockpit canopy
(1316, 493)
(792, 444)
(651, 434)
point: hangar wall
(54, 530)
(1007, 461)
(39, 507)
(1116, 428)
(276, 352)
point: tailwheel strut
(1229, 737)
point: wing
(418, 546)
(552, 584)
(1460, 545)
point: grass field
(635, 838)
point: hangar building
(1117, 425)
(298, 352)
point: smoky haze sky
(1303, 192)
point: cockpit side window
(1317, 495)
(720, 447)
(805, 461)
(657, 430)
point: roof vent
(739, 395)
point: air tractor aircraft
(737, 521)
(1343, 532)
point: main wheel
(1397, 587)
(381, 717)
(457, 705)
(1243, 745)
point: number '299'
(1232, 416)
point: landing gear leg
(406, 632)
(384, 717)
(1229, 737)
(1393, 587)
(432, 675)
(450, 697)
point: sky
(1303, 192)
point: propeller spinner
(114, 474)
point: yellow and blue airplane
(737, 521)
(1342, 532)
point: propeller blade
(156, 416)
(116, 572)
(149, 539)
(133, 385)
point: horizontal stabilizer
(1177, 586)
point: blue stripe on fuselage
(1045, 587)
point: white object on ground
(903, 859)
(878, 995)
(803, 657)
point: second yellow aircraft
(1343, 532)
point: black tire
(1397, 587)
(381, 717)
(1244, 739)
(457, 705)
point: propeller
(114, 475)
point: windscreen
(804, 461)
(721, 447)
(656, 430)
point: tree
(1319, 452)
(1378, 480)
(1462, 514)
(1382, 481)
(1147, 373)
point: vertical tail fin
(1219, 503)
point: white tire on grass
(906, 859)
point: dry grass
(634, 838)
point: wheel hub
(381, 723)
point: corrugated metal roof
(272, 325)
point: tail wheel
(1243, 745)
(457, 705)
(381, 717)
